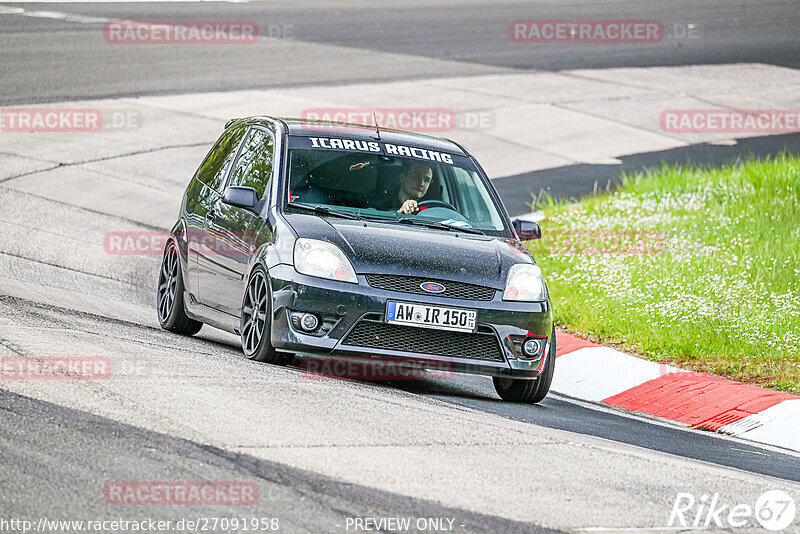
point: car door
(236, 230)
(201, 208)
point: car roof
(361, 132)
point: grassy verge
(699, 267)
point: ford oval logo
(432, 287)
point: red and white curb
(592, 372)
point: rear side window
(254, 166)
(212, 171)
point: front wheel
(257, 320)
(529, 391)
(171, 313)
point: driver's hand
(409, 207)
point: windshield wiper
(442, 226)
(326, 210)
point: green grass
(693, 266)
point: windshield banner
(378, 147)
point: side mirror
(527, 230)
(242, 197)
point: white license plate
(426, 316)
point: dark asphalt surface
(44, 59)
(561, 412)
(61, 459)
(575, 181)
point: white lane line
(636, 529)
(750, 452)
(66, 17)
(79, 19)
(123, 1)
(604, 161)
(673, 426)
(55, 15)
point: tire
(256, 321)
(529, 391)
(169, 304)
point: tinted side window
(212, 171)
(254, 166)
(475, 200)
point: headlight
(323, 260)
(525, 282)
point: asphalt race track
(321, 452)
(49, 59)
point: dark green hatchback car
(338, 241)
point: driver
(415, 179)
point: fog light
(309, 322)
(533, 347)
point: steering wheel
(436, 204)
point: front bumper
(354, 325)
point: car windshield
(375, 184)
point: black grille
(379, 335)
(411, 284)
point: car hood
(380, 248)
